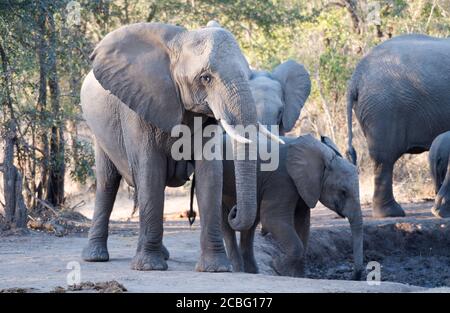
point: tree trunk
(9, 177)
(15, 210)
(55, 184)
(42, 102)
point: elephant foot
(393, 209)
(95, 252)
(285, 266)
(237, 264)
(149, 261)
(165, 252)
(251, 267)
(357, 274)
(217, 262)
(441, 213)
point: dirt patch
(101, 287)
(18, 290)
(40, 260)
(413, 250)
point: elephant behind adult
(400, 93)
(147, 78)
(281, 94)
(439, 158)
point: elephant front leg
(209, 178)
(108, 181)
(384, 204)
(150, 185)
(231, 245)
(291, 261)
(246, 246)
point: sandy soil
(412, 251)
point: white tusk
(232, 132)
(267, 132)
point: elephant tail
(352, 97)
(191, 214)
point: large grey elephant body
(146, 79)
(401, 97)
(308, 171)
(439, 158)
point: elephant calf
(308, 171)
(440, 171)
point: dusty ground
(412, 251)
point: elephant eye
(205, 79)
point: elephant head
(280, 95)
(161, 71)
(321, 174)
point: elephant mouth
(204, 109)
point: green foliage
(318, 33)
(81, 160)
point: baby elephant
(308, 171)
(440, 171)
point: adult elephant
(147, 78)
(400, 93)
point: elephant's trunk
(356, 226)
(243, 215)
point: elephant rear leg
(384, 204)
(108, 181)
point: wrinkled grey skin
(147, 78)
(309, 171)
(401, 97)
(439, 160)
(280, 95)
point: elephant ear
(329, 143)
(296, 85)
(306, 162)
(133, 63)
